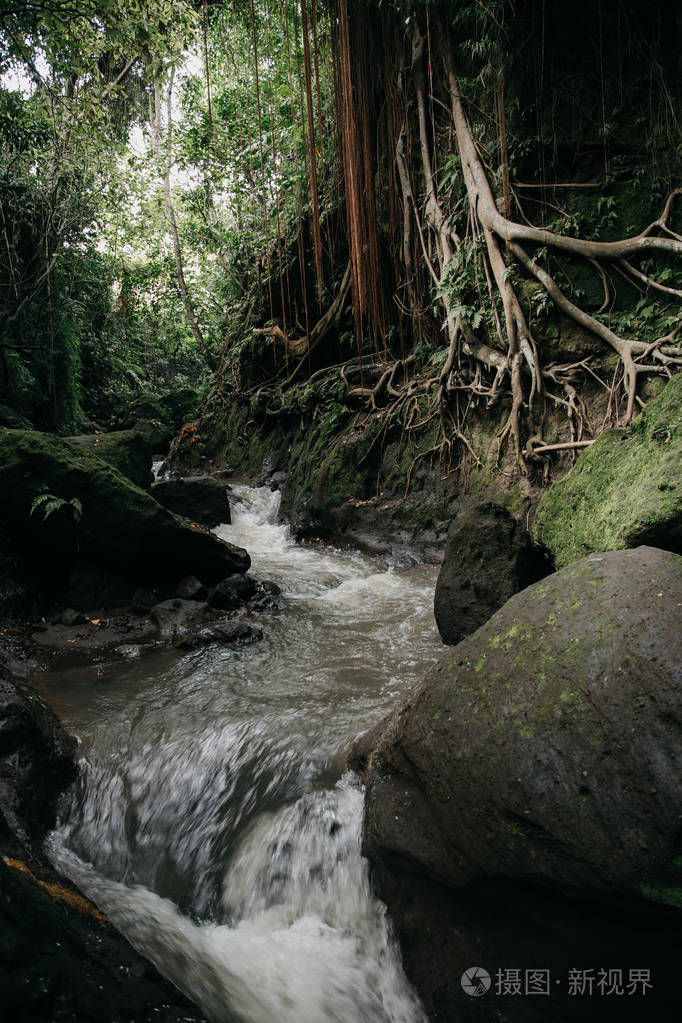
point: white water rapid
(212, 821)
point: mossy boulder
(173, 409)
(624, 490)
(119, 524)
(547, 743)
(148, 416)
(180, 406)
(199, 498)
(127, 450)
(526, 800)
(146, 406)
(156, 433)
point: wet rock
(189, 624)
(542, 750)
(121, 528)
(129, 451)
(36, 764)
(228, 633)
(201, 499)
(72, 617)
(266, 597)
(191, 588)
(624, 490)
(264, 602)
(489, 556)
(177, 619)
(129, 651)
(231, 593)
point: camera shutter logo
(475, 981)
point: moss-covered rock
(148, 416)
(625, 489)
(127, 450)
(146, 406)
(102, 516)
(539, 759)
(156, 434)
(180, 406)
(546, 743)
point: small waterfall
(210, 820)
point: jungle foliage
(438, 208)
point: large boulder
(113, 522)
(127, 450)
(180, 405)
(489, 556)
(156, 434)
(199, 498)
(541, 755)
(624, 490)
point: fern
(51, 504)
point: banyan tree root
(307, 344)
(512, 356)
(498, 229)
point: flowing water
(212, 820)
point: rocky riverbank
(60, 958)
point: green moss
(669, 895)
(125, 450)
(623, 489)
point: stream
(213, 820)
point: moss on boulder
(180, 406)
(121, 525)
(546, 744)
(625, 490)
(127, 450)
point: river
(213, 820)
